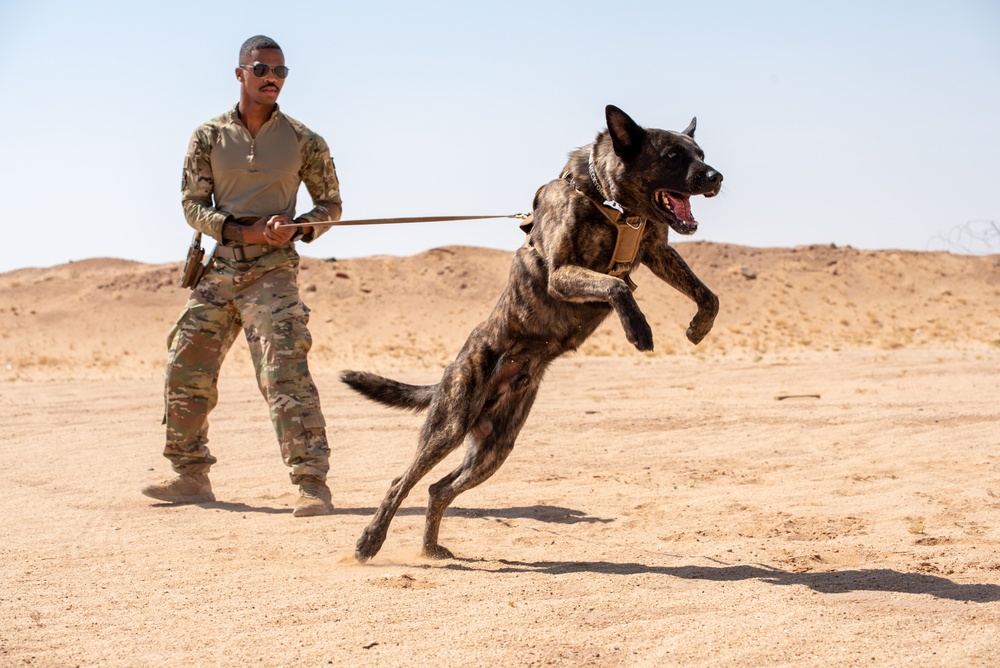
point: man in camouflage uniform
(241, 176)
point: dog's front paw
(368, 545)
(695, 336)
(638, 332)
(703, 320)
(644, 341)
(700, 327)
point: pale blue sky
(871, 124)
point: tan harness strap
(629, 231)
(626, 249)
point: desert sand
(816, 484)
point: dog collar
(609, 202)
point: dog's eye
(672, 154)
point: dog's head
(654, 173)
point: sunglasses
(260, 70)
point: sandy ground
(817, 484)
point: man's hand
(263, 231)
(279, 236)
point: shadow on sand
(837, 582)
(550, 514)
(229, 507)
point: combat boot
(184, 488)
(314, 498)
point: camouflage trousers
(262, 299)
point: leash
(384, 221)
(629, 229)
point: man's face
(262, 90)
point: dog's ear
(690, 128)
(626, 135)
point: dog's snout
(709, 182)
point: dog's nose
(711, 182)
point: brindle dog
(559, 291)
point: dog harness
(628, 229)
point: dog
(631, 183)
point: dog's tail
(389, 392)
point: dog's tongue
(681, 207)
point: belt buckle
(239, 254)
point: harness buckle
(620, 268)
(623, 271)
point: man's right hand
(246, 234)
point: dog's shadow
(550, 514)
(836, 582)
(539, 513)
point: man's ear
(626, 135)
(690, 128)
(239, 74)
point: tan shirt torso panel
(257, 176)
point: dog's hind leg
(430, 453)
(449, 419)
(374, 534)
(490, 442)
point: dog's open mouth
(678, 210)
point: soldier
(241, 176)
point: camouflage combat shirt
(228, 173)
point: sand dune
(112, 316)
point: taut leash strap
(386, 221)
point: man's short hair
(255, 43)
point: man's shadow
(836, 582)
(229, 507)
